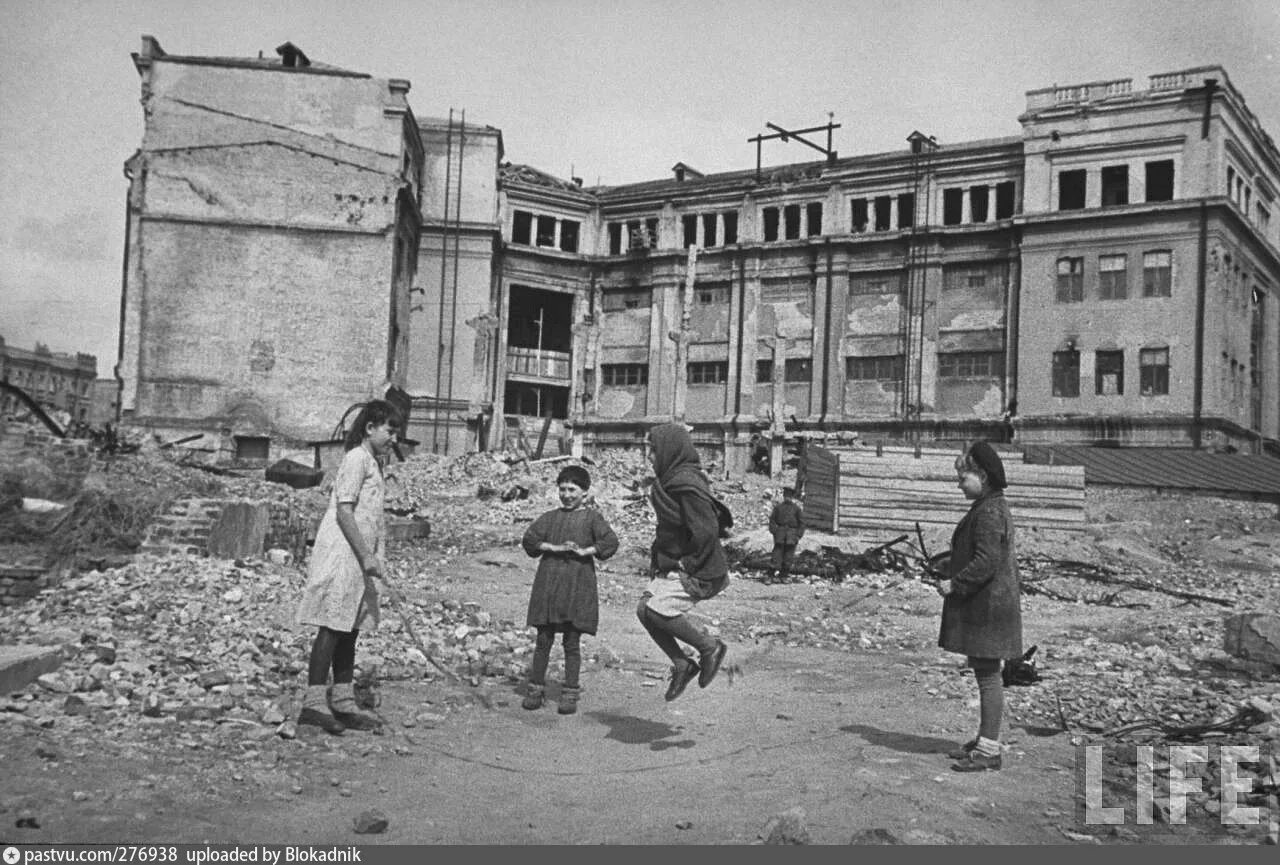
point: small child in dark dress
(565, 598)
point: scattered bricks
(213, 678)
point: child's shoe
(310, 716)
(682, 673)
(533, 697)
(977, 762)
(357, 720)
(711, 663)
(568, 700)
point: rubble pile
(204, 639)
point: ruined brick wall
(19, 583)
(189, 523)
(47, 467)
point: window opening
(770, 224)
(624, 374)
(813, 217)
(1115, 185)
(1153, 371)
(1004, 200)
(1070, 286)
(882, 208)
(978, 201)
(569, 235)
(1066, 373)
(1071, 189)
(878, 368)
(1160, 180)
(1157, 273)
(952, 206)
(1112, 282)
(709, 372)
(906, 210)
(709, 229)
(521, 227)
(791, 221)
(1109, 373)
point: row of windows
(799, 370)
(1073, 185)
(1153, 370)
(1108, 372)
(523, 231)
(1242, 194)
(1113, 277)
(710, 223)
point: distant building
(273, 230)
(1110, 276)
(59, 383)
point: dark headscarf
(984, 456)
(678, 470)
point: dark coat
(687, 536)
(786, 523)
(564, 590)
(982, 617)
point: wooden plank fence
(893, 488)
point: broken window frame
(1156, 179)
(709, 230)
(885, 367)
(1073, 189)
(859, 218)
(730, 218)
(1006, 199)
(624, 374)
(953, 206)
(615, 238)
(615, 300)
(522, 227)
(1069, 287)
(771, 220)
(711, 295)
(707, 372)
(970, 365)
(1153, 371)
(1157, 273)
(791, 222)
(813, 219)
(546, 230)
(979, 203)
(906, 210)
(798, 370)
(570, 234)
(1115, 185)
(1065, 374)
(1108, 362)
(1113, 280)
(689, 226)
(881, 211)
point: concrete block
(240, 532)
(22, 665)
(1253, 636)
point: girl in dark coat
(565, 597)
(981, 613)
(688, 564)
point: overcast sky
(616, 91)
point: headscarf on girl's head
(984, 456)
(678, 470)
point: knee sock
(541, 655)
(314, 698)
(572, 657)
(990, 700)
(655, 625)
(683, 629)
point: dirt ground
(834, 699)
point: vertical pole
(778, 431)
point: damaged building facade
(1108, 276)
(273, 231)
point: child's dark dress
(564, 588)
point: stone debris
(372, 822)
(789, 827)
